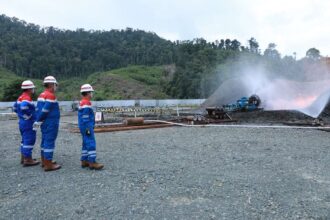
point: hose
(239, 126)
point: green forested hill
(124, 64)
(29, 50)
(133, 82)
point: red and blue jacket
(47, 107)
(25, 108)
(86, 117)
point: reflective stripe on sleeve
(28, 146)
(85, 106)
(26, 117)
(51, 100)
(24, 107)
(27, 101)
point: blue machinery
(244, 104)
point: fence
(72, 105)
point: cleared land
(173, 173)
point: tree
(227, 44)
(254, 45)
(313, 54)
(12, 91)
(271, 52)
(235, 45)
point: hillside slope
(133, 82)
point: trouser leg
(42, 145)
(21, 146)
(29, 139)
(84, 152)
(91, 146)
(50, 135)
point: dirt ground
(173, 173)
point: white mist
(276, 93)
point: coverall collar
(25, 93)
(49, 90)
(86, 98)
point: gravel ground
(173, 173)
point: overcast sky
(294, 26)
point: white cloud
(295, 26)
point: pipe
(107, 124)
(134, 121)
(238, 126)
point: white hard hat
(50, 79)
(86, 88)
(27, 84)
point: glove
(36, 125)
(87, 131)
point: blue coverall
(48, 113)
(86, 122)
(25, 111)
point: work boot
(43, 163)
(50, 166)
(84, 163)
(22, 159)
(95, 166)
(28, 161)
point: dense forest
(197, 67)
(32, 51)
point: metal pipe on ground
(240, 126)
(134, 121)
(162, 124)
(123, 127)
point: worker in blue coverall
(25, 111)
(48, 118)
(86, 122)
